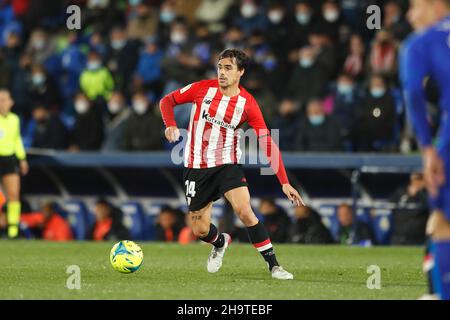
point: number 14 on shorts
(190, 188)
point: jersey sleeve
(256, 120)
(184, 95)
(414, 68)
(19, 149)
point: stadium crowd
(317, 71)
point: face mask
(134, 3)
(248, 10)
(140, 107)
(344, 88)
(93, 65)
(306, 62)
(316, 120)
(377, 92)
(331, 15)
(118, 44)
(303, 18)
(167, 16)
(81, 106)
(38, 79)
(275, 16)
(114, 107)
(177, 37)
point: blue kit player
(425, 56)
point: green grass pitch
(37, 270)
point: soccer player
(12, 160)
(426, 55)
(212, 154)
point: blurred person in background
(96, 81)
(142, 20)
(121, 58)
(383, 55)
(168, 226)
(308, 227)
(148, 75)
(287, 120)
(355, 57)
(376, 118)
(40, 46)
(108, 223)
(49, 131)
(48, 224)
(411, 212)
(88, 130)
(143, 129)
(13, 161)
(352, 231)
(304, 22)
(275, 219)
(42, 89)
(394, 20)
(318, 132)
(250, 16)
(115, 122)
(214, 13)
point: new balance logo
(207, 101)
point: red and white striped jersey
(213, 138)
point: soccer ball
(126, 256)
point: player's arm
(256, 121)
(414, 69)
(170, 101)
(20, 151)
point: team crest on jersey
(183, 90)
(239, 110)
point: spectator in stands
(143, 21)
(355, 58)
(20, 86)
(42, 89)
(394, 20)
(116, 121)
(325, 52)
(214, 14)
(308, 227)
(88, 130)
(383, 55)
(49, 131)
(411, 212)
(318, 132)
(234, 37)
(5, 73)
(250, 17)
(287, 119)
(148, 75)
(376, 117)
(96, 81)
(48, 224)
(143, 129)
(331, 22)
(352, 231)
(40, 46)
(347, 101)
(299, 31)
(108, 223)
(276, 220)
(279, 25)
(168, 226)
(309, 78)
(121, 59)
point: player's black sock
(214, 237)
(428, 264)
(260, 239)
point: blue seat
(78, 218)
(133, 219)
(382, 225)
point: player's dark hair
(239, 56)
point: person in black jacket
(318, 132)
(143, 129)
(108, 224)
(50, 132)
(308, 227)
(169, 225)
(88, 130)
(411, 212)
(276, 220)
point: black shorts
(205, 185)
(8, 165)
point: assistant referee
(12, 160)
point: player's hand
(24, 168)
(433, 170)
(293, 194)
(172, 134)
